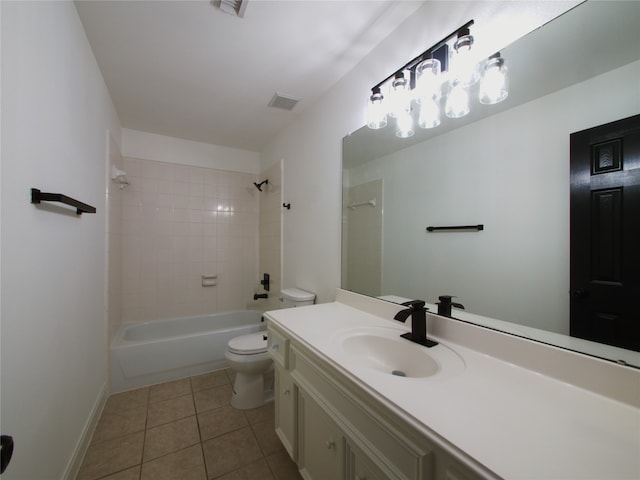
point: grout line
(204, 458)
(144, 437)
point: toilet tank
(294, 297)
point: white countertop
(519, 423)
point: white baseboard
(73, 467)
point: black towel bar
(461, 227)
(37, 196)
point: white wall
(312, 146)
(55, 114)
(161, 148)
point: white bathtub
(147, 353)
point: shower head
(259, 185)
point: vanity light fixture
(446, 71)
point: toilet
(248, 357)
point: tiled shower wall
(182, 222)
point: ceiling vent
(232, 7)
(284, 102)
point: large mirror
(504, 166)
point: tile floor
(185, 430)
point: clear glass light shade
(399, 97)
(494, 87)
(376, 111)
(429, 113)
(464, 68)
(429, 81)
(404, 126)
(457, 101)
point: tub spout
(256, 296)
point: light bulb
(457, 101)
(429, 113)
(494, 85)
(376, 113)
(400, 96)
(464, 69)
(404, 125)
(429, 82)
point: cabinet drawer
(278, 345)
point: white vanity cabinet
(334, 429)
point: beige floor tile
(264, 413)
(283, 467)
(165, 391)
(170, 437)
(186, 464)
(130, 474)
(126, 400)
(110, 456)
(255, 471)
(265, 433)
(230, 452)
(209, 380)
(219, 421)
(212, 398)
(121, 421)
(170, 410)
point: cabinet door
(320, 442)
(285, 410)
(360, 467)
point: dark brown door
(605, 233)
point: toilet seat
(250, 344)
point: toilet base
(252, 390)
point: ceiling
(187, 69)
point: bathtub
(153, 352)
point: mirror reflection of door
(605, 233)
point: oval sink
(390, 356)
(384, 351)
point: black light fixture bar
(436, 51)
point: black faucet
(260, 295)
(445, 304)
(418, 314)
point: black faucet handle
(414, 304)
(446, 298)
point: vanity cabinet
(334, 429)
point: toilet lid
(248, 344)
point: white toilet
(247, 356)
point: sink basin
(382, 350)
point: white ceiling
(186, 69)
